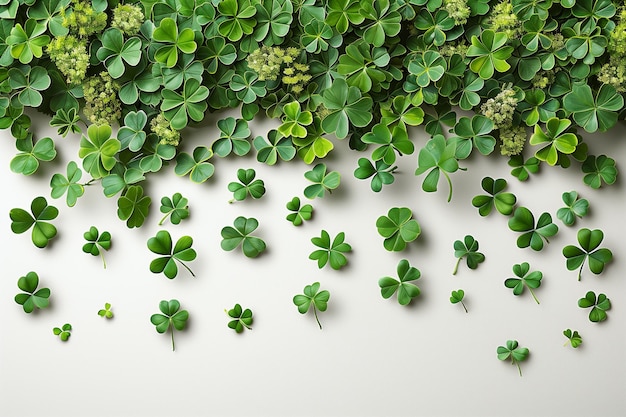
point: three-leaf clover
(97, 243)
(173, 318)
(175, 208)
(98, 150)
(195, 165)
(599, 306)
(573, 338)
(437, 156)
(322, 181)
(457, 297)
(27, 161)
(523, 168)
(64, 332)
(295, 121)
(300, 213)
(533, 235)
(274, 147)
(599, 170)
(32, 297)
(133, 206)
(589, 240)
(161, 244)
(575, 207)
(43, 231)
(252, 246)
(61, 184)
(468, 249)
(406, 290)
(503, 202)
(247, 185)
(242, 318)
(106, 311)
(381, 173)
(524, 279)
(312, 297)
(513, 351)
(398, 228)
(332, 252)
(557, 139)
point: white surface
(373, 357)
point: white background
(373, 356)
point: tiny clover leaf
(252, 246)
(234, 134)
(503, 202)
(437, 156)
(27, 161)
(589, 240)
(43, 231)
(331, 251)
(242, 318)
(66, 121)
(381, 173)
(97, 243)
(32, 297)
(133, 206)
(173, 318)
(301, 213)
(295, 121)
(161, 244)
(533, 235)
(98, 150)
(557, 141)
(61, 184)
(599, 170)
(64, 332)
(247, 185)
(196, 165)
(524, 278)
(599, 306)
(573, 338)
(513, 351)
(322, 181)
(403, 286)
(575, 207)
(522, 169)
(274, 147)
(106, 311)
(457, 297)
(175, 208)
(398, 228)
(468, 249)
(312, 297)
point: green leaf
(502, 201)
(247, 185)
(196, 165)
(574, 207)
(533, 235)
(173, 318)
(132, 134)
(438, 156)
(558, 141)
(106, 311)
(96, 243)
(191, 103)
(599, 306)
(43, 231)
(389, 141)
(242, 318)
(234, 134)
(27, 161)
(300, 213)
(251, 246)
(398, 228)
(161, 244)
(381, 173)
(468, 249)
(347, 107)
(473, 133)
(406, 290)
(513, 351)
(32, 297)
(63, 332)
(331, 252)
(457, 297)
(133, 206)
(589, 241)
(522, 169)
(274, 147)
(175, 208)
(599, 170)
(322, 181)
(524, 279)
(591, 112)
(98, 150)
(490, 52)
(574, 338)
(312, 297)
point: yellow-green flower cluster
(161, 127)
(503, 19)
(457, 47)
(513, 139)
(544, 78)
(500, 109)
(296, 76)
(267, 62)
(69, 54)
(458, 10)
(127, 18)
(613, 73)
(101, 103)
(617, 41)
(83, 20)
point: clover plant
(589, 241)
(574, 339)
(322, 181)
(398, 228)
(242, 319)
(32, 297)
(457, 297)
(514, 352)
(533, 234)
(42, 213)
(247, 186)
(331, 252)
(64, 332)
(175, 208)
(301, 213)
(97, 243)
(172, 318)
(575, 207)
(406, 290)
(437, 157)
(232, 237)
(524, 279)
(27, 161)
(312, 297)
(106, 311)
(599, 306)
(181, 252)
(502, 201)
(468, 249)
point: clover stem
(518, 367)
(188, 269)
(449, 184)
(463, 304)
(173, 346)
(163, 219)
(246, 326)
(90, 182)
(456, 266)
(533, 294)
(316, 318)
(231, 201)
(103, 261)
(580, 271)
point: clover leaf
(300, 213)
(524, 278)
(522, 169)
(247, 185)
(234, 134)
(473, 133)
(43, 231)
(173, 40)
(591, 112)
(533, 235)
(589, 240)
(61, 185)
(251, 246)
(557, 139)
(27, 161)
(66, 121)
(175, 208)
(599, 306)
(132, 135)
(106, 311)
(406, 290)
(438, 156)
(98, 150)
(457, 297)
(242, 318)
(468, 249)
(133, 206)
(503, 202)
(389, 141)
(330, 252)
(64, 332)
(513, 351)
(347, 106)
(312, 297)
(599, 170)
(398, 228)
(381, 173)
(247, 87)
(161, 244)
(191, 103)
(322, 181)
(573, 338)
(295, 121)
(274, 147)
(32, 297)
(97, 243)
(490, 52)
(575, 207)
(115, 51)
(173, 318)
(196, 165)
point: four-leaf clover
(331, 252)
